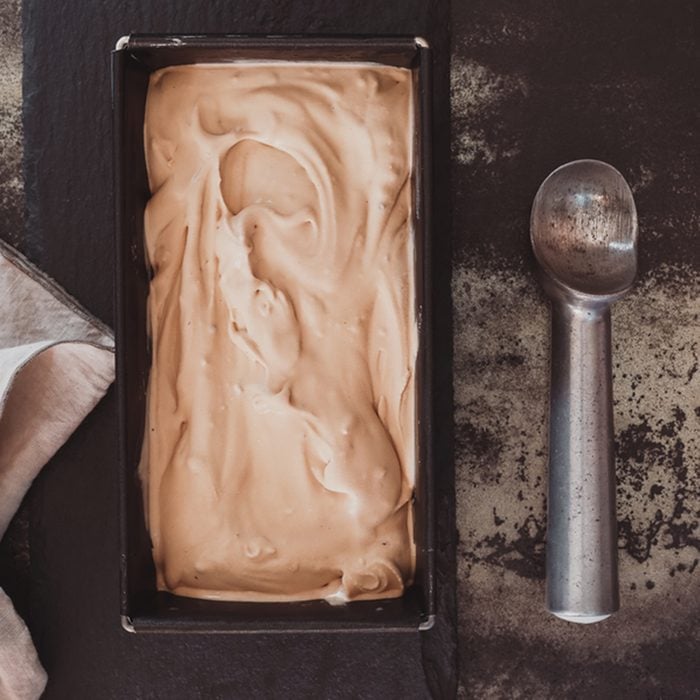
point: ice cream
(279, 458)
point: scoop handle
(582, 583)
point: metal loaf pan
(143, 608)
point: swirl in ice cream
(279, 456)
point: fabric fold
(56, 363)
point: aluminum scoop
(583, 230)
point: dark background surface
(532, 85)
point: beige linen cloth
(56, 363)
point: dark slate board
(74, 597)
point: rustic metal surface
(535, 85)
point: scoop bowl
(584, 228)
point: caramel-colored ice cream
(279, 457)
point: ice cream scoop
(583, 230)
